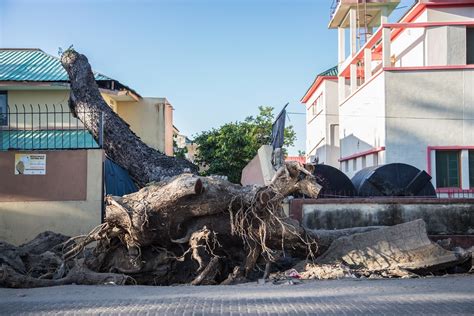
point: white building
(322, 126)
(406, 90)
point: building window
(316, 105)
(3, 108)
(346, 166)
(471, 168)
(354, 164)
(470, 45)
(447, 169)
(364, 162)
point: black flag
(278, 129)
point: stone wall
(442, 216)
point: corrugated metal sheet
(330, 72)
(117, 180)
(33, 65)
(46, 139)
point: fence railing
(46, 127)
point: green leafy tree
(179, 152)
(227, 150)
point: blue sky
(215, 60)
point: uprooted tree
(186, 229)
(179, 229)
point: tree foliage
(179, 152)
(227, 150)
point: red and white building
(405, 91)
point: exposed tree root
(187, 229)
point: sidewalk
(441, 295)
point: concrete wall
(445, 45)
(23, 219)
(428, 108)
(152, 120)
(441, 216)
(362, 123)
(259, 170)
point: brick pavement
(441, 295)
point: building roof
(330, 73)
(34, 65)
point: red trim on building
(301, 159)
(454, 190)
(425, 24)
(364, 153)
(315, 86)
(415, 68)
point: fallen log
(189, 229)
(122, 145)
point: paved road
(442, 295)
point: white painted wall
(315, 131)
(362, 122)
(318, 129)
(433, 46)
(409, 47)
(450, 14)
(331, 113)
(428, 108)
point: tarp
(117, 180)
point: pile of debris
(402, 251)
(181, 228)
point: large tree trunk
(143, 163)
(186, 229)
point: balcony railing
(379, 52)
(45, 127)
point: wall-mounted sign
(30, 164)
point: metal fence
(46, 127)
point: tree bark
(123, 146)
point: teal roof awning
(33, 65)
(332, 72)
(46, 140)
